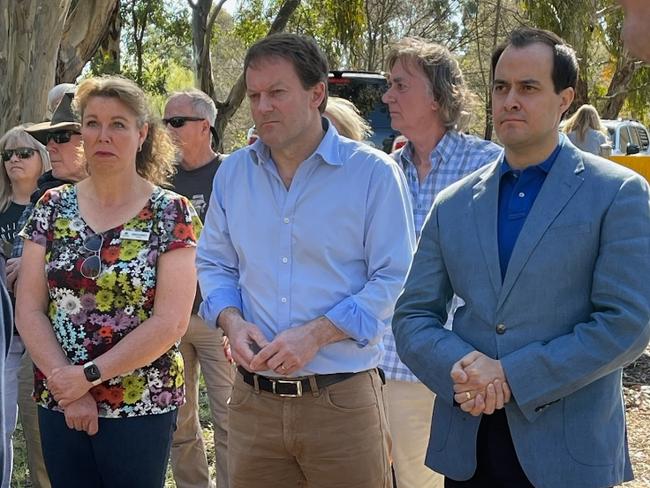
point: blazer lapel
(561, 183)
(485, 205)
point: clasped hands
(480, 385)
(70, 389)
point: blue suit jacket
(576, 308)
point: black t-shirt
(9, 223)
(196, 185)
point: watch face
(92, 372)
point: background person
(427, 98)
(188, 116)
(585, 130)
(23, 160)
(347, 119)
(102, 326)
(636, 35)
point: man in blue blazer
(550, 249)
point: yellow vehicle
(637, 162)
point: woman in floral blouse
(102, 323)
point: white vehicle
(628, 137)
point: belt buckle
(297, 383)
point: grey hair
(18, 137)
(442, 71)
(56, 94)
(202, 104)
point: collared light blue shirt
(518, 190)
(455, 156)
(337, 243)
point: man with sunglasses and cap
(62, 138)
(188, 116)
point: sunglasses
(91, 267)
(21, 152)
(180, 121)
(60, 137)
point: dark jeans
(125, 452)
(497, 463)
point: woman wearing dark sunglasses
(23, 161)
(102, 325)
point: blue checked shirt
(455, 156)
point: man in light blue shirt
(307, 241)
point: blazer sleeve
(618, 329)
(423, 344)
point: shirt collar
(327, 151)
(444, 149)
(545, 166)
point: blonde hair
(347, 119)
(18, 137)
(585, 118)
(155, 160)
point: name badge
(135, 235)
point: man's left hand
(68, 384)
(289, 352)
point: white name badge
(135, 235)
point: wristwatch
(92, 373)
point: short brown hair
(301, 51)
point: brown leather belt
(291, 387)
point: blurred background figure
(636, 34)
(55, 95)
(23, 160)
(347, 119)
(585, 130)
(189, 116)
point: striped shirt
(455, 156)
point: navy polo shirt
(518, 190)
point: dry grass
(636, 379)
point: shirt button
(283, 300)
(286, 220)
(285, 260)
(522, 194)
(501, 329)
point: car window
(366, 96)
(644, 139)
(624, 139)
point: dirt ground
(636, 380)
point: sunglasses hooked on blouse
(180, 121)
(60, 137)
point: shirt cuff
(356, 322)
(218, 300)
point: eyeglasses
(60, 137)
(179, 121)
(21, 152)
(91, 267)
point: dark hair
(308, 60)
(565, 63)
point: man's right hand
(82, 414)
(245, 338)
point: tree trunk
(110, 45)
(29, 42)
(617, 90)
(85, 27)
(201, 48)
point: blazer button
(501, 329)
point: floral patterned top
(90, 316)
